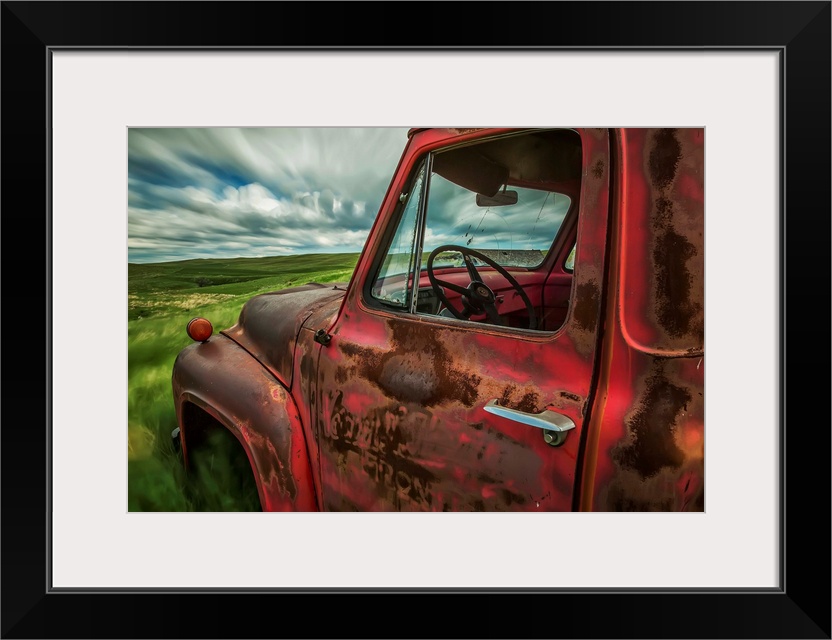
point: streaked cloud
(247, 192)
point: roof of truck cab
(453, 130)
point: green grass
(162, 298)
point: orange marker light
(199, 329)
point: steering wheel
(477, 297)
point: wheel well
(220, 475)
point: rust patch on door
(658, 464)
(651, 427)
(677, 227)
(380, 441)
(587, 298)
(527, 401)
(676, 310)
(664, 158)
(417, 368)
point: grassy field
(162, 298)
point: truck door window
(492, 219)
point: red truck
(524, 331)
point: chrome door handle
(548, 420)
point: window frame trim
(418, 245)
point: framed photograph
(106, 102)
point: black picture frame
(799, 608)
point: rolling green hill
(168, 287)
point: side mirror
(500, 199)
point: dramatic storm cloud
(227, 192)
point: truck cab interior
(487, 232)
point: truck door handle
(548, 420)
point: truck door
(459, 371)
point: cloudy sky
(227, 192)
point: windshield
(515, 235)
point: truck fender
(225, 381)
